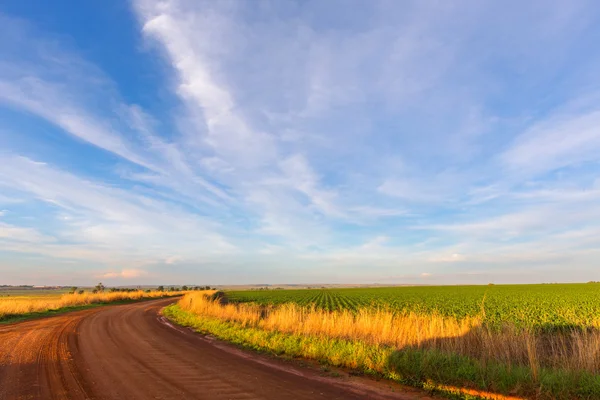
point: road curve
(128, 352)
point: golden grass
(575, 349)
(21, 306)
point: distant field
(545, 306)
(31, 293)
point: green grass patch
(421, 368)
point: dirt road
(129, 352)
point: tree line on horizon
(100, 288)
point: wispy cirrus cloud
(288, 140)
(111, 224)
(18, 234)
(563, 140)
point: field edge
(290, 346)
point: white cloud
(100, 218)
(20, 234)
(362, 143)
(375, 243)
(560, 141)
(370, 211)
(126, 274)
(5, 200)
(173, 260)
(438, 187)
(299, 175)
(188, 40)
(548, 213)
(50, 102)
(445, 258)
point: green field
(530, 341)
(547, 306)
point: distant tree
(184, 287)
(100, 287)
(161, 288)
(95, 291)
(81, 291)
(73, 290)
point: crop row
(545, 306)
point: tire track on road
(126, 352)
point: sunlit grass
(16, 306)
(415, 348)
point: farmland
(30, 293)
(535, 341)
(536, 306)
(17, 305)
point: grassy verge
(429, 369)
(13, 318)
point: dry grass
(574, 349)
(11, 307)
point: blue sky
(309, 141)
